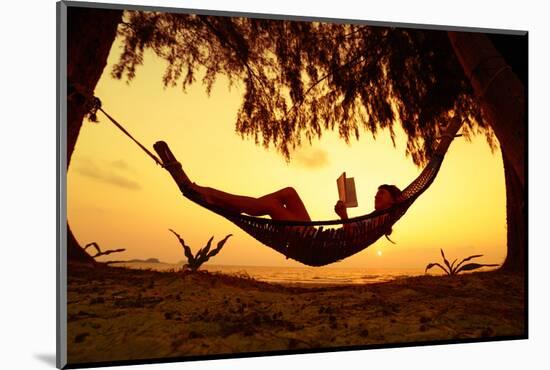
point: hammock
(312, 243)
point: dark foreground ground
(123, 314)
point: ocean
(296, 275)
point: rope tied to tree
(493, 78)
(480, 66)
(93, 105)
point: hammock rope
(94, 104)
(313, 243)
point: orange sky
(119, 198)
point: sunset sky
(119, 198)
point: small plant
(203, 255)
(451, 269)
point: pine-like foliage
(301, 78)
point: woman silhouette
(284, 204)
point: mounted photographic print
(237, 185)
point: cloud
(120, 164)
(309, 157)
(89, 169)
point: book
(346, 190)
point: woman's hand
(340, 209)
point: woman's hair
(396, 196)
(393, 190)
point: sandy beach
(117, 314)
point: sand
(120, 314)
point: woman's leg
(290, 199)
(284, 204)
(179, 176)
(232, 202)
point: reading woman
(284, 204)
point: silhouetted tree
(90, 35)
(301, 78)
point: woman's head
(386, 196)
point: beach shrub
(452, 269)
(203, 255)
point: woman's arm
(341, 211)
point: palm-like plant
(451, 269)
(203, 255)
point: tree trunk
(90, 35)
(515, 221)
(500, 91)
(502, 100)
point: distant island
(148, 260)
